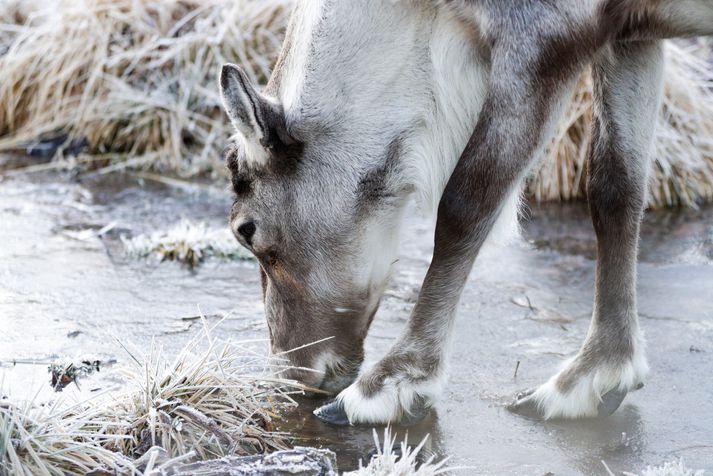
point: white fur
(584, 398)
(322, 362)
(458, 86)
(306, 16)
(392, 402)
(416, 74)
(380, 245)
(254, 150)
(429, 93)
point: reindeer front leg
(517, 111)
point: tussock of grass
(42, 441)
(682, 173)
(671, 468)
(388, 462)
(213, 400)
(137, 79)
(188, 243)
(131, 76)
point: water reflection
(618, 441)
(355, 443)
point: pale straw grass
(131, 76)
(36, 440)
(392, 460)
(214, 399)
(138, 78)
(187, 242)
(682, 171)
(670, 468)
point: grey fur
(338, 166)
(628, 81)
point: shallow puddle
(66, 292)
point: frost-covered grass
(187, 242)
(682, 171)
(406, 462)
(137, 80)
(671, 468)
(213, 399)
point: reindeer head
(321, 221)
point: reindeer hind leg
(611, 362)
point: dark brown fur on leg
(627, 79)
(519, 110)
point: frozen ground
(66, 292)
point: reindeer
(373, 102)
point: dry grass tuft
(682, 173)
(389, 462)
(136, 79)
(131, 76)
(42, 441)
(671, 468)
(188, 243)
(213, 400)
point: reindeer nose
(247, 231)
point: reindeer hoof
(610, 402)
(525, 405)
(333, 413)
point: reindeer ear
(242, 102)
(259, 120)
